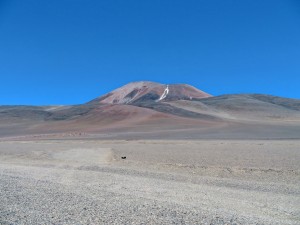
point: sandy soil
(159, 182)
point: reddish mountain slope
(150, 91)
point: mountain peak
(141, 91)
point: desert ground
(159, 182)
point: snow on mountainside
(151, 91)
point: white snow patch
(164, 95)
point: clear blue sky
(71, 51)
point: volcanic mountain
(152, 110)
(139, 92)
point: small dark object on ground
(123, 157)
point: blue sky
(71, 51)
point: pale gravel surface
(160, 182)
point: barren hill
(153, 110)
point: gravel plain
(159, 182)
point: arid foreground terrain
(159, 182)
(149, 153)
